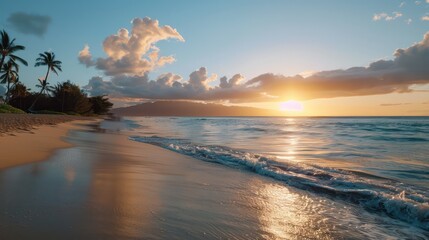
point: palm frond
(38, 64)
(11, 43)
(15, 48)
(14, 57)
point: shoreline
(107, 187)
(35, 138)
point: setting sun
(291, 106)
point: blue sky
(227, 37)
(249, 37)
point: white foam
(389, 197)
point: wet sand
(108, 187)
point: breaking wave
(374, 193)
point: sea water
(379, 165)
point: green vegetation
(4, 108)
(63, 98)
(50, 112)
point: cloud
(386, 17)
(29, 23)
(393, 104)
(425, 18)
(409, 21)
(85, 57)
(233, 82)
(132, 53)
(166, 86)
(407, 69)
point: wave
(376, 194)
(253, 129)
(398, 139)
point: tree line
(65, 97)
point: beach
(26, 138)
(105, 186)
(214, 120)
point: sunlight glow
(291, 106)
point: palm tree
(46, 59)
(62, 89)
(44, 87)
(10, 76)
(18, 91)
(100, 104)
(7, 49)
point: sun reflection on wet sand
(118, 189)
(70, 174)
(287, 215)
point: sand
(16, 123)
(26, 138)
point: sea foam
(374, 193)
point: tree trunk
(30, 109)
(8, 91)
(2, 61)
(46, 77)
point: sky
(236, 52)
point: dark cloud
(409, 67)
(29, 23)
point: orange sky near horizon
(395, 104)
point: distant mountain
(182, 108)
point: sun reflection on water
(291, 141)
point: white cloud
(133, 53)
(425, 18)
(85, 57)
(199, 80)
(408, 68)
(386, 17)
(409, 21)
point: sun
(291, 106)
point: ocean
(226, 178)
(377, 165)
